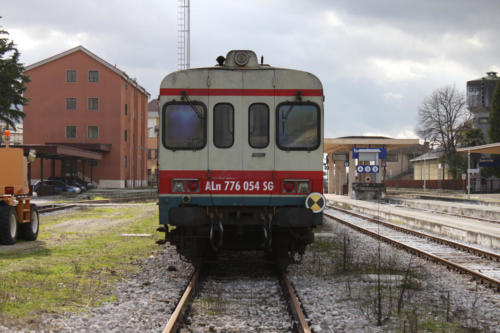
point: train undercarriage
(204, 233)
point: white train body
(240, 150)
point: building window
(93, 132)
(135, 113)
(126, 109)
(71, 131)
(126, 135)
(484, 120)
(70, 103)
(93, 104)
(150, 154)
(71, 75)
(93, 76)
(126, 162)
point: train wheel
(29, 231)
(8, 225)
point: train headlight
(303, 187)
(193, 185)
(178, 186)
(288, 186)
(241, 58)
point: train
(240, 158)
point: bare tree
(441, 117)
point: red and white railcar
(240, 157)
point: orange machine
(18, 217)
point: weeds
(77, 274)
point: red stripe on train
(239, 182)
(239, 92)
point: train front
(240, 158)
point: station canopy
(492, 148)
(345, 144)
(62, 151)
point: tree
(12, 82)
(494, 119)
(441, 118)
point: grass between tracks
(75, 267)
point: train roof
(243, 60)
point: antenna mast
(183, 46)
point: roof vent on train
(239, 58)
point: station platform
(461, 228)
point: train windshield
(184, 125)
(298, 126)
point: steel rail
(73, 204)
(175, 318)
(490, 282)
(53, 208)
(295, 308)
(470, 249)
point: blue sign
(382, 152)
(367, 169)
(492, 162)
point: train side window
(184, 125)
(223, 125)
(258, 125)
(298, 126)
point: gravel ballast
(334, 300)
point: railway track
(483, 266)
(55, 207)
(235, 297)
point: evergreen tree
(12, 83)
(494, 119)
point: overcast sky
(377, 59)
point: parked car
(88, 185)
(47, 187)
(71, 181)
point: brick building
(79, 99)
(152, 142)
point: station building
(81, 101)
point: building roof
(347, 143)
(432, 155)
(491, 148)
(113, 68)
(153, 105)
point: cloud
(377, 59)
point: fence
(477, 185)
(448, 184)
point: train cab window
(184, 125)
(298, 126)
(223, 125)
(258, 125)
